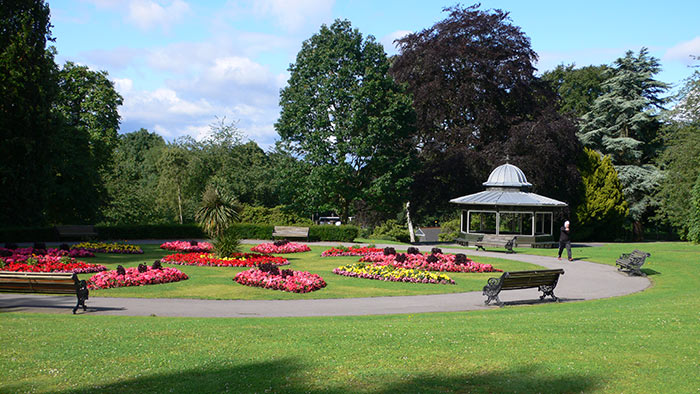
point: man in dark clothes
(565, 240)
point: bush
(391, 230)
(253, 231)
(227, 243)
(449, 231)
(275, 216)
(28, 234)
(333, 233)
(150, 231)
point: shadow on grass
(284, 376)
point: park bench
(544, 280)
(491, 240)
(45, 282)
(76, 231)
(632, 262)
(290, 232)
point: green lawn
(646, 342)
(217, 282)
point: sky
(182, 66)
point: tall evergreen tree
(603, 208)
(28, 127)
(624, 124)
(577, 87)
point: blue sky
(180, 64)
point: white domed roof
(507, 175)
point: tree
(216, 213)
(173, 179)
(577, 87)
(344, 116)
(680, 159)
(603, 208)
(623, 123)
(28, 127)
(132, 183)
(473, 85)
(694, 227)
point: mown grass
(641, 343)
(217, 282)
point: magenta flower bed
(270, 247)
(238, 260)
(438, 262)
(287, 280)
(182, 246)
(111, 279)
(79, 252)
(352, 251)
(25, 263)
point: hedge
(316, 233)
(150, 231)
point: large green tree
(680, 160)
(577, 87)
(472, 77)
(624, 124)
(28, 127)
(344, 116)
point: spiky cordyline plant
(216, 213)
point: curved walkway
(582, 281)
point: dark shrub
(157, 265)
(40, 245)
(401, 257)
(269, 268)
(281, 242)
(389, 251)
(5, 252)
(460, 259)
(431, 258)
(194, 243)
(10, 245)
(436, 251)
(65, 247)
(143, 268)
(121, 270)
(286, 272)
(412, 250)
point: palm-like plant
(217, 212)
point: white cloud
(149, 14)
(296, 15)
(681, 52)
(388, 41)
(239, 70)
(123, 85)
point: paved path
(582, 281)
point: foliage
(623, 123)
(680, 160)
(276, 216)
(474, 89)
(577, 87)
(227, 243)
(603, 208)
(149, 231)
(174, 180)
(333, 233)
(391, 230)
(28, 126)
(216, 213)
(348, 121)
(450, 230)
(694, 225)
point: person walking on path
(565, 240)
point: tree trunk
(179, 203)
(637, 231)
(410, 224)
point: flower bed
(433, 262)
(103, 247)
(285, 280)
(274, 247)
(135, 277)
(189, 247)
(208, 259)
(392, 274)
(77, 252)
(33, 263)
(351, 251)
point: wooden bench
(291, 232)
(544, 280)
(45, 282)
(632, 262)
(507, 242)
(76, 231)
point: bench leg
(81, 302)
(547, 291)
(491, 293)
(480, 247)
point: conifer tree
(623, 124)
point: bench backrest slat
(528, 279)
(38, 282)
